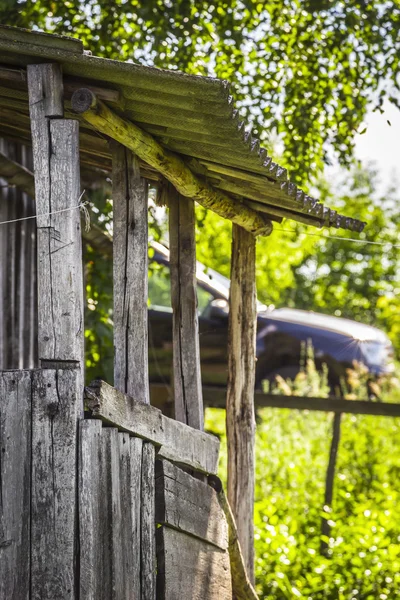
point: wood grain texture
(168, 163)
(190, 568)
(185, 325)
(130, 240)
(55, 144)
(15, 484)
(90, 523)
(175, 441)
(55, 401)
(148, 524)
(188, 504)
(240, 420)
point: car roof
(346, 327)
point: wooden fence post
(57, 396)
(240, 420)
(186, 349)
(130, 245)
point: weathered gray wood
(133, 538)
(190, 568)
(179, 443)
(190, 505)
(16, 175)
(148, 522)
(110, 441)
(240, 420)
(130, 275)
(55, 144)
(186, 351)
(55, 400)
(15, 483)
(90, 523)
(130, 485)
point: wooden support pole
(130, 276)
(168, 163)
(240, 420)
(186, 350)
(57, 395)
(55, 143)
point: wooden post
(130, 276)
(57, 396)
(186, 350)
(55, 144)
(240, 420)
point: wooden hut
(101, 495)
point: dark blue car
(280, 333)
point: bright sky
(381, 144)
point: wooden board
(189, 568)
(148, 524)
(55, 400)
(175, 441)
(15, 484)
(130, 275)
(55, 144)
(185, 503)
(90, 523)
(185, 324)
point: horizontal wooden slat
(216, 397)
(178, 442)
(188, 504)
(189, 568)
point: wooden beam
(185, 329)
(177, 442)
(148, 566)
(168, 163)
(55, 143)
(240, 420)
(241, 586)
(216, 397)
(130, 275)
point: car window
(160, 289)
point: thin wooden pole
(168, 163)
(130, 276)
(330, 480)
(186, 351)
(240, 419)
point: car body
(281, 333)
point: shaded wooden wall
(17, 270)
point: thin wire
(337, 237)
(81, 205)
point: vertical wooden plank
(130, 475)
(15, 484)
(55, 396)
(148, 543)
(57, 187)
(240, 420)
(130, 248)
(186, 351)
(90, 522)
(112, 460)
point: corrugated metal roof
(193, 116)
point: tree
(306, 69)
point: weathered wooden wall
(18, 339)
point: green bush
(292, 450)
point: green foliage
(292, 450)
(306, 69)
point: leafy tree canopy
(309, 68)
